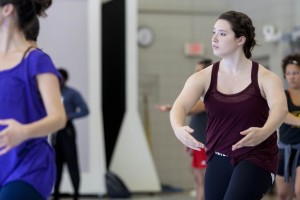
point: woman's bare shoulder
(202, 78)
(265, 73)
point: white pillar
(132, 159)
(94, 180)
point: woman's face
(224, 42)
(292, 75)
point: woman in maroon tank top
(245, 103)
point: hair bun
(41, 6)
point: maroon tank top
(229, 114)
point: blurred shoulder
(265, 73)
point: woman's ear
(241, 40)
(7, 10)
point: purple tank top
(228, 115)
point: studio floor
(168, 196)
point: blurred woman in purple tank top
(30, 105)
(245, 103)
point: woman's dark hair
(290, 59)
(28, 10)
(32, 32)
(241, 25)
(206, 62)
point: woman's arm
(81, 108)
(15, 132)
(48, 85)
(188, 97)
(292, 120)
(198, 108)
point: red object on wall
(193, 49)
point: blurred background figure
(288, 175)
(64, 141)
(198, 122)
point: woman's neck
(235, 65)
(295, 91)
(12, 41)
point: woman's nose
(214, 38)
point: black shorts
(280, 170)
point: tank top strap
(214, 75)
(288, 97)
(26, 51)
(254, 75)
(291, 105)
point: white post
(132, 159)
(94, 181)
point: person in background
(30, 106)
(288, 175)
(245, 104)
(64, 141)
(198, 124)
